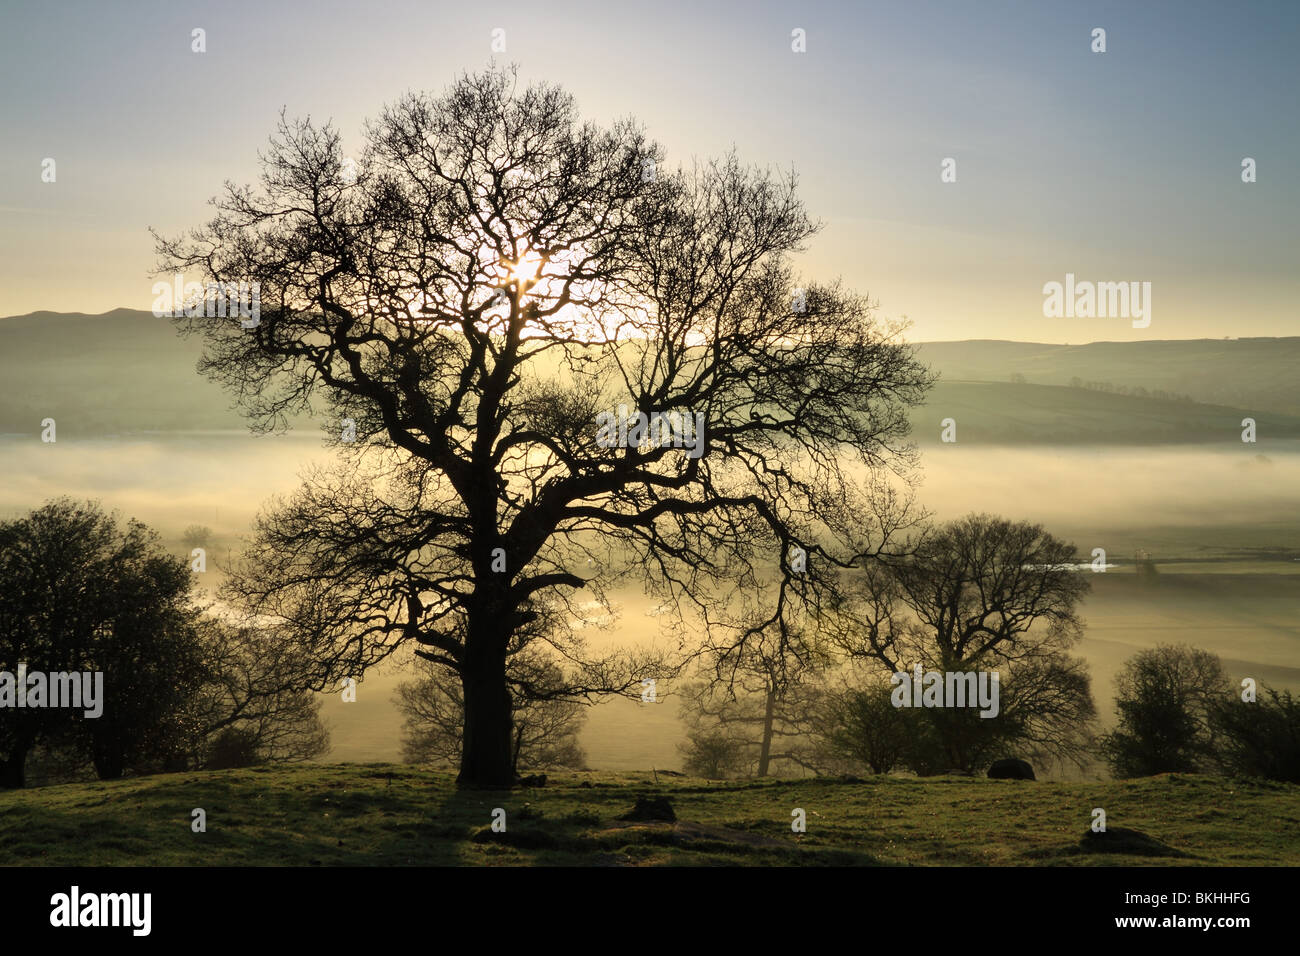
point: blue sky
(1115, 166)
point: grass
(398, 815)
(1001, 413)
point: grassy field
(396, 815)
(1034, 415)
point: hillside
(1257, 373)
(123, 371)
(128, 372)
(1003, 413)
(395, 815)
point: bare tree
(763, 697)
(492, 278)
(981, 593)
(254, 700)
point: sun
(526, 269)
(523, 270)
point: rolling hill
(127, 372)
(1254, 373)
(120, 372)
(1010, 414)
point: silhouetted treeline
(90, 609)
(1137, 391)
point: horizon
(1059, 167)
(1149, 341)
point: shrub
(1260, 739)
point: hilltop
(122, 371)
(128, 372)
(395, 815)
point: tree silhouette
(472, 294)
(759, 702)
(79, 592)
(1167, 698)
(980, 593)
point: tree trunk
(765, 749)
(12, 770)
(516, 746)
(109, 765)
(486, 758)
(107, 753)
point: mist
(1217, 520)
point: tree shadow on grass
(593, 835)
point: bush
(868, 728)
(714, 755)
(1165, 701)
(197, 536)
(1260, 739)
(232, 748)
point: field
(397, 815)
(1037, 415)
(1251, 372)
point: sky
(1115, 166)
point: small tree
(864, 726)
(254, 705)
(715, 753)
(1166, 699)
(762, 696)
(1144, 565)
(753, 727)
(197, 536)
(1260, 738)
(979, 594)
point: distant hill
(123, 371)
(126, 371)
(1259, 374)
(1007, 414)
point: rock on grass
(1124, 840)
(651, 809)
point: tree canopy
(466, 300)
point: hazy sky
(1115, 166)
